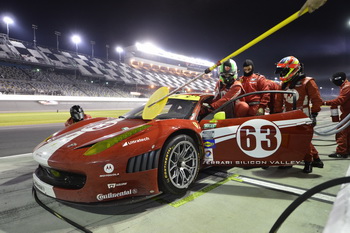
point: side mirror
(219, 116)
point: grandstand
(31, 69)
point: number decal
(249, 142)
(258, 138)
(271, 141)
(100, 125)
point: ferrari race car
(104, 159)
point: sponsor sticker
(136, 141)
(113, 185)
(108, 168)
(101, 197)
(208, 155)
(209, 125)
(209, 143)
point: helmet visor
(282, 71)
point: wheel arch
(193, 134)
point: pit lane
(222, 200)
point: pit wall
(30, 103)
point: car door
(276, 139)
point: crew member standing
(292, 77)
(252, 82)
(343, 100)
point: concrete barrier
(47, 103)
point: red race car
(104, 159)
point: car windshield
(174, 109)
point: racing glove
(313, 118)
(205, 110)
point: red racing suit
(255, 82)
(343, 100)
(70, 120)
(275, 86)
(306, 91)
(224, 93)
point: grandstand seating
(29, 69)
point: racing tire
(179, 164)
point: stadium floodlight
(152, 49)
(35, 27)
(92, 48)
(57, 41)
(119, 51)
(107, 48)
(8, 21)
(76, 40)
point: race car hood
(86, 135)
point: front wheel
(179, 164)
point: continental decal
(101, 197)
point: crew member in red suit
(343, 100)
(227, 88)
(292, 77)
(254, 82)
(77, 114)
(275, 86)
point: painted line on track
(16, 156)
(328, 198)
(201, 192)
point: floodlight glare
(119, 49)
(76, 39)
(152, 49)
(8, 20)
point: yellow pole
(259, 38)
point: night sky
(206, 29)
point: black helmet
(338, 78)
(77, 113)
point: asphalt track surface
(23, 138)
(222, 200)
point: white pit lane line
(329, 198)
(285, 188)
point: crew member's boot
(317, 163)
(307, 167)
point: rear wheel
(179, 164)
